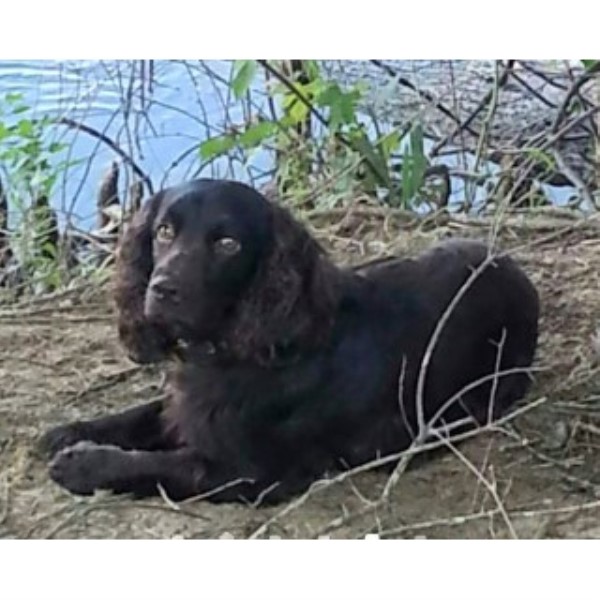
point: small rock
(558, 436)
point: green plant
(590, 65)
(28, 156)
(318, 132)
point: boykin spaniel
(284, 367)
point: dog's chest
(217, 407)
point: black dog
(287, 367)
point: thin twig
(543, 76)
(491, 488)
(497, 366)
(491, 98)
(488, 514)
(72, 124)
(424, 95)
(525, 85)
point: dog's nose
(162, 288)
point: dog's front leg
(86, 467)
(138, 428)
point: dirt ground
(535, 476)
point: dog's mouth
(185, 350)
(173, 318)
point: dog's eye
(165, 233)
(227, 246)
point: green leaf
(373, 161)
(589, 64)
(329, 95)
(63, 165)
(347, 109)
(286, 122)
(49, 247)
(244, 74)
(256, 134)
(311, 68)
(310, 89)
(546, 160)
(13, 97)
(418, 153)
(407, 178)
(17, 110)
(414, 165)
(55, 147)
(298, 111)
(342, 105)
(389, 143)
(216, 146)
(25, 128)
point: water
(158, 124)
(157, 118)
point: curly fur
(287, 366)
(145, 342)
(295, 286)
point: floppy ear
(293, 298)
(144, 341)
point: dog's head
(215, 261)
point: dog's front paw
(61, 437)
(85, 467)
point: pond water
(157, 117)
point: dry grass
(533, 476)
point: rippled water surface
(158, 116)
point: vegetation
(28, 155)
(325, 145)
(318, 133)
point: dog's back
(483, 313)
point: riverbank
(535, 476)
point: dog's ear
(292, 299)
(144, 342)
